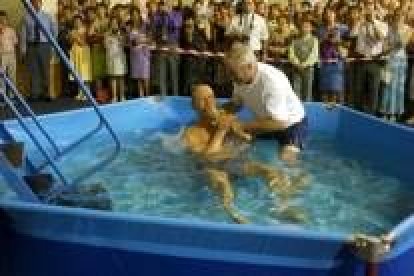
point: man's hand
(225, 121)
(237, 129)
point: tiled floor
(39, 108)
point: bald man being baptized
(218, 140)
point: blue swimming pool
(165, 220)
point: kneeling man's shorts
(294, 135)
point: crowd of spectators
(352, 52)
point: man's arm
(211, 150)
(275, 97)
(191, 140)
(215, 144)
(264, 125)
(194, 141)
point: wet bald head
(201, 91)
(203, 99)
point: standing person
(8, 44)
(331, 71)
(80, 52)
(140, 54)
(193, 39)
(65, 27)
(249, 24)
(370, 45)
(152, 12)
(168, 25)
(278, 112)
(219, 24)
(115, 60)
(96, 33)
(36, 50)
(303, 55)
(281, 36)
(393, 98)
(353, 23)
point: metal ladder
(51, 158)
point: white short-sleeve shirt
(270, 96)
(252, 25)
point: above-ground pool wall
(389, 147)
(6, 244)
(60, 241)
(52, 240)
(144, 115)
(322, 120)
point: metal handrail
(27, 108)
(72, 146)
(21, 120)
(84, 89)
(103, 122)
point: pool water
(153, 176)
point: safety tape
(193, 52)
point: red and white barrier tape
(193, 52)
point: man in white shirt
(266, 91)
(252, 26)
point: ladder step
(39, 183)
(14, 152)
(93, 196)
